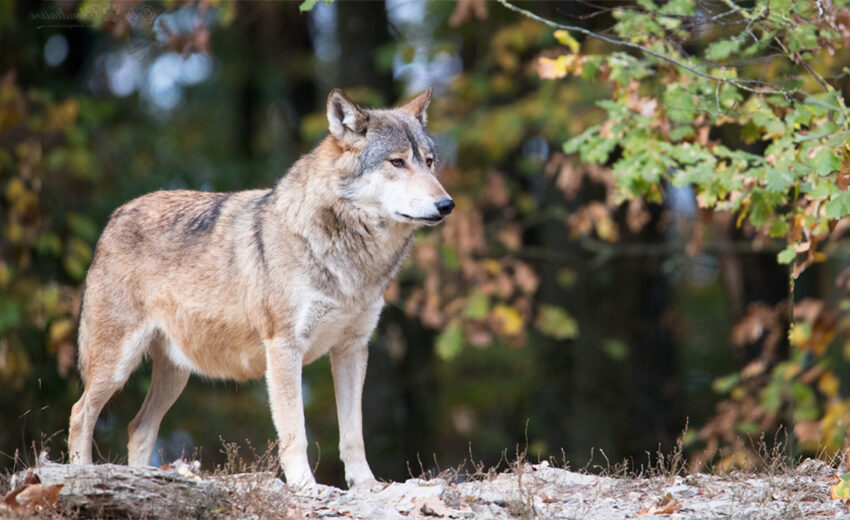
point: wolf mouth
(425, 219)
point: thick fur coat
(258, 283)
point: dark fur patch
(205, 221)
(258, 227)
(413, 146)
(124, 225)
(330, 222)
(315, 313)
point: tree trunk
(113, 491)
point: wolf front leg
(348, 363)
(283, 377)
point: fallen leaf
(842, 489)
(32, 497)
(666, 505)
(37, 496)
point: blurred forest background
(600, 294)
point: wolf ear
(344, 116)
(418, 105)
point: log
(115, 491)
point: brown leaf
(31, 479)
(464, 9)
(495, 191)
(32, 496)
(526, 278)
(637, 215)
(37, 496)
(510, 236)
(666, 505)
(808, 431)
(10, 500)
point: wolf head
(395, 160)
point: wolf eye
(398, 163)
(429, 162)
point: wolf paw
(306, 484)
(366, 485)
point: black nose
(445, 206)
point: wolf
(258, 283)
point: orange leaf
(666, 505)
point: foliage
(564, 290)
(744, 106)
(44, 140)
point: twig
(812, 72)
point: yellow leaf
(552, 68)
(507, 320)
(492, 266)
(842, 489)
(800, 334)
(607, 230)
(15, 189)
(556, 322)
(742, 215)
(828, 384)
(565, 38)
(60, 330)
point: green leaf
(838, 206)
(787, 255)
(556, 322)
(842, 489)
(616, 349)
(820, 191)
(450, 342)
(771, 398)
(723, 385)
(49, 244)
(477, 305)
(10, 316)
(679, 104)
(77, 258)
(760, 209)
(748, 428)
(778, 180)
(308, 5)
(83, 227)
(826, 161)
(722, 49)
(779, 228)
(450, 257)
(680, 132)
(805, 403)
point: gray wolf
(259, 283)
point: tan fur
(257, 283)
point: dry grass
(781, 487)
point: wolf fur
(258, 283)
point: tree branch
(750, 85)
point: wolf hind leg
(167, 383)
(106, 374)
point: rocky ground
(528, 491)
